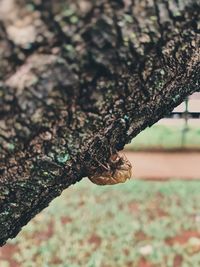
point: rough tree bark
(78, 80)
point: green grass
(124, 225)
(165, 137)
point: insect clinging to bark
(118, 170)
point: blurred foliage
(131, 224)
(166, 137)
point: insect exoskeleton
(118, 170)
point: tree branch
(78, 80)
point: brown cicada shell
(117, 171)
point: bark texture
(78, 80)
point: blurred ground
(165, 165)
(136, 224)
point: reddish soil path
(165, 165)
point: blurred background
(151, 221)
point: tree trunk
(78, 80)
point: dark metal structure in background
(189, 109)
